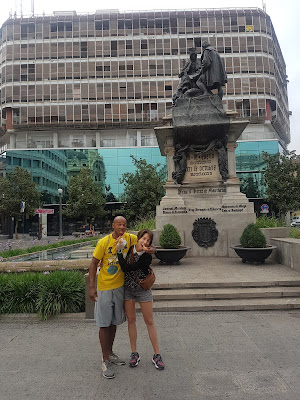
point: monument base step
(227, 305)
(226, 293)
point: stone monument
(203, 198)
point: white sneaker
(113, 358)
(107, 370)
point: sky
(284, 15)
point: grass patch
(47, 294)
(34, 249)
(144, 224)
(295, 233)
(269, 222)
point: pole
(60, 217)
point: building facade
(106, 79)
(47, 167)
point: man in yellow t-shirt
(109, 295)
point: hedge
(48, 293)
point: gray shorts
(140, 295)
(109, 308)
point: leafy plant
(295, 233)
(253, 237)
(61, 292)
(269, 222)
(282, 179)
(144, 224)
(85, 198)
(17, 187)
(143, 190)
(47, 293)
(19, 293)
(169, 237)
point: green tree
(85, 198)
(14, 189)
(109, 197)
(282, 180)
(249, 186)
(143, 190)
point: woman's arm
(142, 263)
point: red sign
(44, 211)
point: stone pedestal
(204, 196)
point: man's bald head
(119, 217)
(119, 226)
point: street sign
(264, 208)
(22, 206)
(44, 211)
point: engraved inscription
(202, 167)
(211, 190)
(237, 208)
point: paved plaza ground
(211, 356)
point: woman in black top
(137, 265)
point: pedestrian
(136, 266)
(109, 294)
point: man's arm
(92, 279)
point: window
(102, 25)
(144, 44)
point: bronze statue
(189, 75)
(213, 75)
(200, 123)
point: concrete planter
(170, 256)
(255, 255)
(271, 233)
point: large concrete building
(104, 80)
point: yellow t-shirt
(111, 275)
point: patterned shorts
(138, 294)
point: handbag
(147, 282)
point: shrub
(252, 237)
(269, 222)
(295, 233)
(19, 293)
(61, 292)
(169, 238)
(48, 294)
(144, 224)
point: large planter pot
(256, 255)
(170, 256)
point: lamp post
(60, 213)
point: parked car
(295, 221)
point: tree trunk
(16, 228)
(288, 218)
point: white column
(231, 160)
(12, 140)
(98, 140)
(139, 138)
(44, 225)
(127, 140)
(55, 140)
